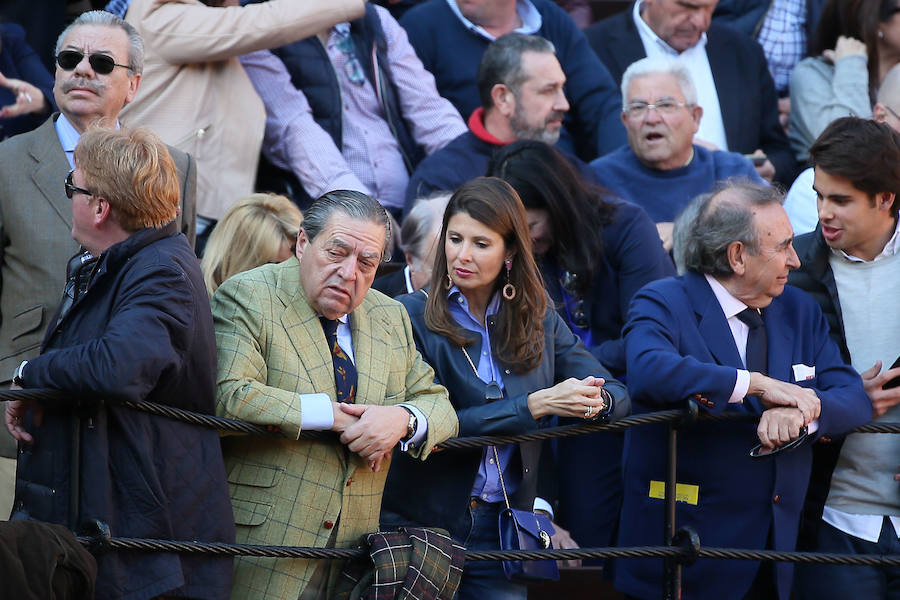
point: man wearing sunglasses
(99, 63)
(136, 326)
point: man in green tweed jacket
(276, 368)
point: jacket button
(776, 499)
(328, 524)
(349, 481)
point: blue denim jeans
(824, 582)
(483, 580)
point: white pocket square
(803, 372)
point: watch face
(411, 424)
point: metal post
(672, 568)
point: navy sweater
(664, 193)
(452, 53)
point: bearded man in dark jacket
(134, 325)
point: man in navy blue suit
(730, 334)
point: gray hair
(660, 65)
(105, 19)
(714, 221)
(502, 63)
(353, 204)
(420, 221)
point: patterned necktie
(344, 371)
(757, 353)
(79, 272)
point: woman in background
(855, 45)
(258, 229)
(594, 253)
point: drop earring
(509, 290)
(449, 281)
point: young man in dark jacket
(850, 264)
(134, 325)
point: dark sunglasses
(577, 315)
(72, 189)
(100, 63)
(492, 392)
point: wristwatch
(17, 374)
(410, 425)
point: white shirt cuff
(541, 504)
(741, 386)
(421, 428)
(316, 413)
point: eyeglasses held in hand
(637, 110)
(72, 189)
(100, 63)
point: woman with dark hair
(855, 45)
(510, 364)
(594, 253)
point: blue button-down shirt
(487, 482)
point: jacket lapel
(305, 331)
(628, 45)
(721, 55)
(371, 354)
(711, 321)
(49, 162)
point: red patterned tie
(344, 371)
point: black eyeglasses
(101, 63)
(72, 189)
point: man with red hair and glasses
(99, 64)
(134, 325)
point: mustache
(556, 115)
(80, 82)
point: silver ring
(587, 411)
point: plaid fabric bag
(412, 563)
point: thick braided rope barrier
(679, 553)
(872, 560)
(236, 426)
(221, 549)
